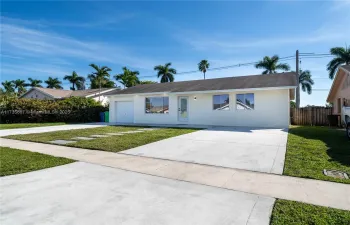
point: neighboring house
(51, 94)
(339, 95)
(256, 101)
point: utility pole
(297, 98)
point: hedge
(71, 110)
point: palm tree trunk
(99, 94)
(204, 75)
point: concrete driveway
(254, 149)
(83, 193)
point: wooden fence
(314, 116)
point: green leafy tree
(9, 87)
(54, 83)
(128, 78)
(75, 80)
(34, 83)
(271, 65)
(341, 57)
(203, 66)
(19, 86)
(166, 73)
(147, 82)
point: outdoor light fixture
(195, 98)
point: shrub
(73, 109)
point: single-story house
(339, 95)
(257, 101)
(52, 94)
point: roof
(228, 83)
(337, 82)
(55, 93)
(346, 67)
(59, 93)
(87, 92)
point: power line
(224, 67)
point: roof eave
(334, 81)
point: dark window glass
(221, 102)
(158, 105)
(245, 101)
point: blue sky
(41, 39)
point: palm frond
(283, 66)
(333, 65)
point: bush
(73, 109)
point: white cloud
(21, 40)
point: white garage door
(125, 112)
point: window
(221, 102)
(159, 105)
(245, 101)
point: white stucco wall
(271, 110)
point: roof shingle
(242, 82)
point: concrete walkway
(33, 130)
(315, 192)
(89, 194)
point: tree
(271, 65)
(100, 76)
(166, 73)
(34, 83)
(9, 87)
(128, 78)
(75, 80)
(147, 82)
(203, 66)
(342, 56)
(53, 83)
(306, 81)
(19, 85)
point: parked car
(345, 118)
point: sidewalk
(315, 192)
(32, 130)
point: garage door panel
(125, 112)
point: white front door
(183, 109)
(125, 112)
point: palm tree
(101, 75)
(75, 79)
(9, 87)
(53, 83)
(271, 65)
(20, 86)
(306, 82)
(128, 78)
(165, 72)
(203, 66)
(34, 83)
(342, 56)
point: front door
(183, 109)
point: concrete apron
(315, 192)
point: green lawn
(312, 149)
(290, 212)
(26, 125)
(112, 144)
(15, 161)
